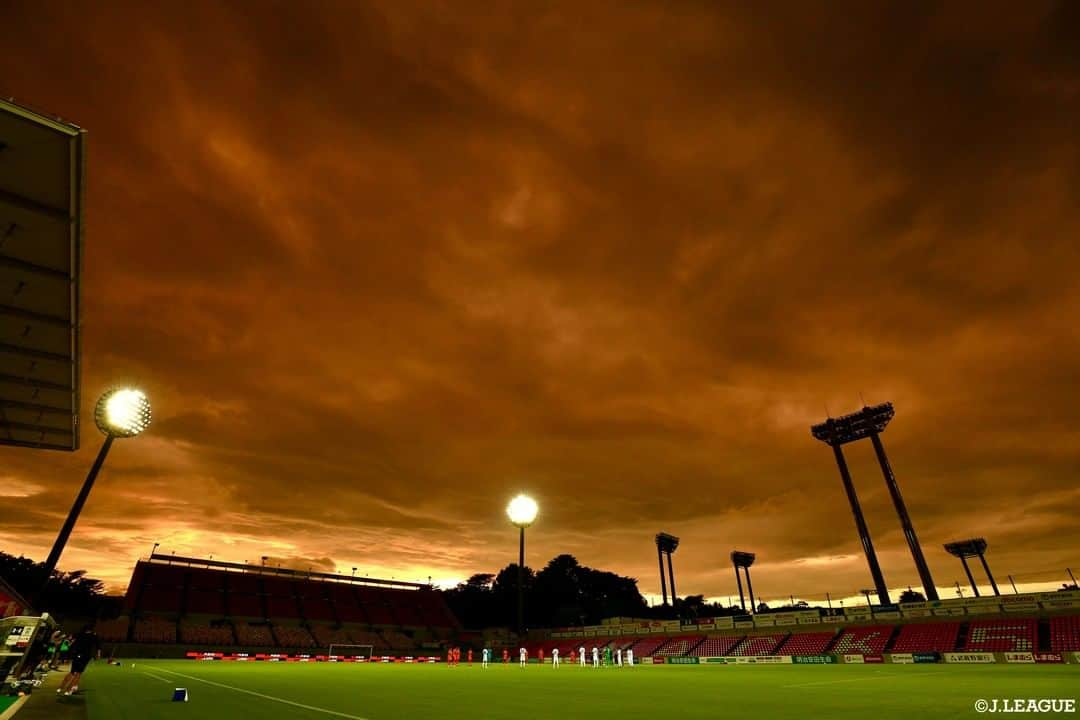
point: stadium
(347, 286)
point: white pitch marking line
(833, 682)
(265, 697)
(157, 677)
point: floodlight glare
(123, 412)
(522, 511)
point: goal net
(364, 651)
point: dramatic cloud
(382, 266)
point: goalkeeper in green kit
(607, 656)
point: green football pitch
(143, 691)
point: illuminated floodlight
(122, 412)
(522, 511)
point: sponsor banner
(690, 628)
(1019, 657)
(1064, 595)
(858, 614)
(974, 657)
(902, 658)
(744, 624)
(785, 621)
(948, 610)
(682, 661)
(974, 601)
(925, 657)
(904, 607)
(1076, 657)
(706, 626)
(1056, 604)
(725, 623)
(764, 621)
(834, 619)
(853, 659)
(873, 658)
(887, 615)
(764, 660)
(983, 609)
(714, 660)
(1049, 658)
(918, 612)
(647, 660)
(815, 620)
(886, 608)
(813, 659)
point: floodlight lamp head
(522, 511)
(122, 412)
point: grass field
(391, 692)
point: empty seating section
(368, 637)
(293, 636)
(864, 640)
(315, 604)
(714, 646)
(806, 643)
(155, 630)
(409, 615)
(434, 610)
(1001, 636)
(678, 646)
(112, 630)
(205, 602)
(758, 645)
(344, 599)
(1065, 633)
(376, 605)
(326, 635)
(253, 635)
(245, 605)
(646, 646)
(163, 589)
(397, 640)
(206, 634)
(927, 637)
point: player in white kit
(581, 655)
(595, 657)
(486, 657)
(629, 657)
(555, 657)
(618, 657)
(523, 657)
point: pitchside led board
(42, 170)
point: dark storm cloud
(381, 266)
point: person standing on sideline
(629, 657)
(484, 658)
(618, 657)
(555, 657)
(581, 655)
(595, 657)
(83, 649)
(523, 657)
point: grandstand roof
(282, 572)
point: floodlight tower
(744, 560)
(975, 547)
(119, 413)
(522, 511)
(870, 422)
(665, 545)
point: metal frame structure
(870, 422)
(666, 545)
(975, 547)
(743, 561)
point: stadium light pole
(522, 511)
(119, 413)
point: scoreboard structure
(42, 197)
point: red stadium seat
(1065, 633)
(716, 646)
(806, 643)
(863, 640)
(758, 645)
(1001, 635)
(927, 637)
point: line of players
(453, 657)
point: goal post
(365, 651)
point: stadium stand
(369, 637)
(863, 640)
(398, 640)
(345, 604)
(927, 637)
(1001, 635)
(679, 646)
(314, 603)
(114, 630)
(244, 596)
(326, 635)
(252, 635)
(155, 630)
(714, 646)
(293, 636)
(377, 605)
(647, 646)
(206, 634)
(1065, 633)
(758, 645)
(806, 643)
